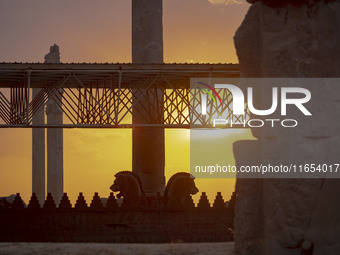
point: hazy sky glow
(100, 31)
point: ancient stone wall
(150, 221)
(293, 39)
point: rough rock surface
(275, 216)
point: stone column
(38, 153)
(147, 143)
(291, 38)
(55, 179)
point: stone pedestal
(147, 143)
(273, 216)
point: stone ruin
(150, 220)
(53, 56)
(295, 39)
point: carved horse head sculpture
(129, 185)
(178, 187)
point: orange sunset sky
(100, 31)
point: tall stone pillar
(147, 143)
(38, 153)
(55, 179)
(290, 38)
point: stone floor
(117, 249)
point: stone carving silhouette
(129, 185)
(7, 202)
(53, 56)
(179, 186)
(4, 203)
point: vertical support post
(148, 156)
(118, 96)
(28, 95)
(55, 175)
(38, 152)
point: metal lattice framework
(107, 95)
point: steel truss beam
(100, 99)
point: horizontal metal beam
(118, 66)
(43, 75)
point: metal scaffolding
(104, 95)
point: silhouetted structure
(154, 222)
